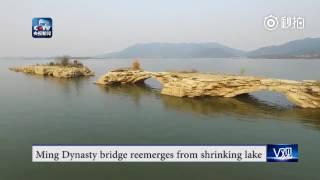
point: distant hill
(303, 48)
(176, 50)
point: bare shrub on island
(65, 61)
(77, 63)
(135, 65)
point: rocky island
(62, 69)
(305, 94)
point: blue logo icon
(42, 27)
(282, 152)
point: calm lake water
(43, 110)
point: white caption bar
(146, 153)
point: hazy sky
(91, 27)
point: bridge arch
(304, 94)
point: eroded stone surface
(305, 94)
(55, 71)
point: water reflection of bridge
(243, 106)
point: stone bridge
(305, 94)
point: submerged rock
(55, 71)
(301, 93)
